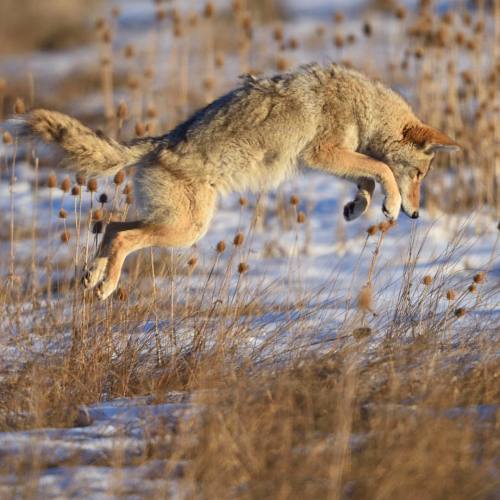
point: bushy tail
(87, 152)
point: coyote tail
(87, 152)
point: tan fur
(331, 118)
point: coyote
(326, 117)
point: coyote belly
(329, 118)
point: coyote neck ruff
(330, 118)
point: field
(288, 354)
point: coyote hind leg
(123, 238)
(95, 273)
(362, 200)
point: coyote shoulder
(327, 117)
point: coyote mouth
(414, 214)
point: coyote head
(411, 158)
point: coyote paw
(104, 289)
(95, 273)
(392, 206)
(354, 209)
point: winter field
(288, 354)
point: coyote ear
(429, 138)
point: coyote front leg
(362, 200)
(355, 166)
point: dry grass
(43, 24)
(403, 404)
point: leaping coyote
(326, 117)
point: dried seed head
(80, 180)
(372, 230)
(129, 51)
(479, 278)
(19, 106)
(92, 185)
(7, 137)
(133, 82)
(471, 45)
(383, 227)
(351, 38)
(97, 227)
(63, 214)
(451, 295)
(75, 190)
(98, 214)
(103, 198)
(129, 199)
(100, 23)
(151, 112)
(122, 111)
(301, 218)
(106, 36)
(219, 60)
(472, 288)
(52, 181)
(119, 177)
(427, 280)
(221, 246)
(209, 9)
(236, 6)
(365, 298)
(208, 83)
(293, 43)
(121, 294)
(459, 312)
(66, 185)
(65, 236)
(367, 29)
(294, 200)
(278, 34)
(338, 17)
(361, 332)
(281, 64)
(177, 30)
(161, 14)
(243, 267)
(115, 11)
(140, 129)
(192, 262)
(238, 239)
(243, 201)
(246, 24)
(338, 40)
(127, 189)
(400, 12)
(193, 20)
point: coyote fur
(326, 117)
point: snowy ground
(323, 261)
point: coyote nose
(414, 215)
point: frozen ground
(323, 262)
